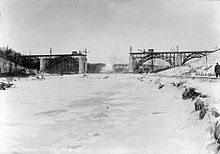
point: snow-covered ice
(103, 113)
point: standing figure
(217, 70)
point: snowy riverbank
(104, 113)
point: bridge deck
(168, 52)
(54, 55)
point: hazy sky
(108, 27)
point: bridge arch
(192, 56)
(153, 57)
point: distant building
(96, 67)
(120, 68)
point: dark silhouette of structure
(96, 67)
(59, 63)
(120, 68)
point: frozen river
(98, 115)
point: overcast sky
(108, 27)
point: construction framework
(65, 62)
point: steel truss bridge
(69, 63)
(137, 59)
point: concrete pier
(178, 61)
(82, 64)
(42, 64)
(131, 65)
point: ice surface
(102, 114)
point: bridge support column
(42, 64)
(82, 65)
(131, 65)
(86, 66)
(178, 58)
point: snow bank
(206, 64)
(205, 108)
(177, 71)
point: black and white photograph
(109, 76)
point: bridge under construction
(76, 62)
(177, 58)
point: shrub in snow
(203, 96)
(84, 76)
(4, 86)
(214, 112)
(40, 77)
(190, 93)
(179, 84)
(203, 112)
(202, 106)
(161, 86)
(199, 104)
(217, 132)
